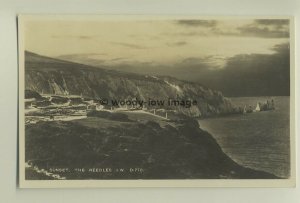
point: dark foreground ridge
(128, 147)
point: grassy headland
(99, 146)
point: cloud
(257, 74)
(276, 22)
(118, 59)
(129, 45)
(263, 28)
(195, 23)
(92, 59)
(209, 62)
(264, 32)
(85, 55)
(83, 37)
(251, 74)
(184, 34)
(282, 48)
(266, 28)
(240, 75)
(177, 44)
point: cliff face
(52, 76)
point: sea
(259, 140)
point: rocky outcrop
(52, 76)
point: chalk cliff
(53, 76)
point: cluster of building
(63, 104)
(71, 105)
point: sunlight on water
(256, 140)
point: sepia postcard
(156, 101)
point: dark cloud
(264, 28)
(267, 28)
(277, 22)
(219, 31)
(282, 48)
(245, 74)
(242, 75)
(203, 23)
(258, 74)
(264, 32)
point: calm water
(256, 140)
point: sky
(185, 48)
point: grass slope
(179, 150)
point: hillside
(154, 150)
(53, 76)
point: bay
(258, 140)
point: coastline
(258, 140)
